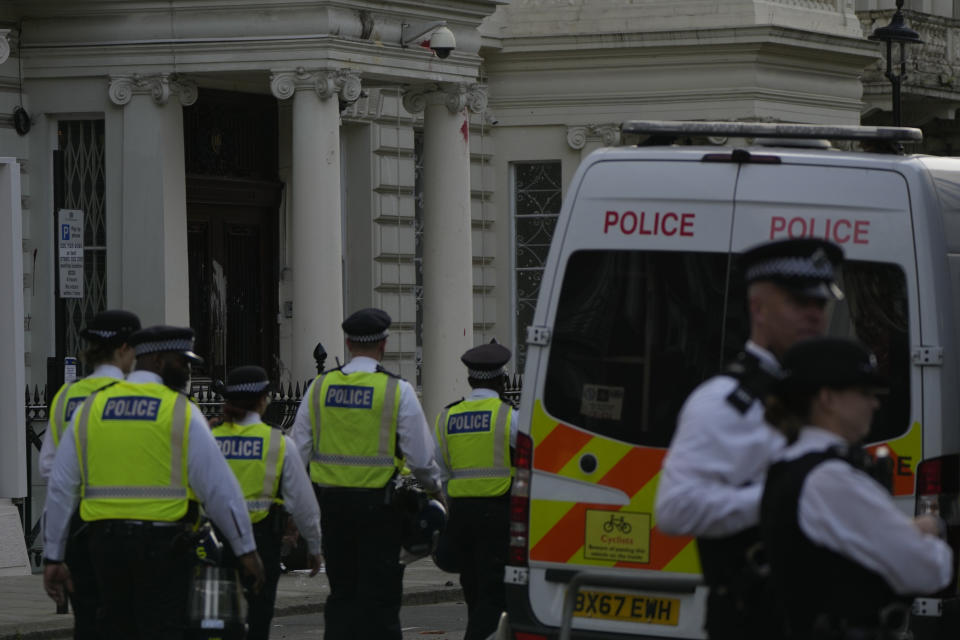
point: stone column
(316, 251)
(155, 278)
(13, 441)
(447, 247)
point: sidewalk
(27, 613)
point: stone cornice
(456, 97)
(405, 66)
(344, 83)
(160, 87)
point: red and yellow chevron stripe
(558, 528)
(905, 452)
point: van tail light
(522, 635)
(520, 502)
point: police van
(642, 299)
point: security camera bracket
(411, 32)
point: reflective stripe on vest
(478, 456)
(366, 468)
(259, 473)
(136, 500)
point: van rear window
(636, 332)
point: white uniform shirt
(207, 472)
(414, 436)
(298, 497)
(713, 474)
(845, 510)
(49, 450)
(478, 394)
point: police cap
(111, 326)
(249, 380)
(164, 339)
(838, 363)
(806, 266)
(486, 361)
(367, 325)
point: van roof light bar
(673, 128)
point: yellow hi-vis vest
(255, 454)
(474, 436)
(132, 441)
(68, 398)
(354, 421)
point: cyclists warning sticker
(620, 536)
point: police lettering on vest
(241, 448)
(72, 405)
(131, 408)
(349, 397)
(470, 422)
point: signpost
(70, 234)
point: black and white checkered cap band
(371, 338)
(247, 387)
(163, 345)
(103, 333)
(487, 374)
(792, 267)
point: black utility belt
(120, 526)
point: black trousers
(361, 547)
(86, 596)
(479, 533)
(267, 533)
(144, 579)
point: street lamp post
(903, 35)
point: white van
(642, 299)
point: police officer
(844, 558)
(271, 481)
(713, 474)
(475, 437)
(111, 358)
(355, 426)
(137, 455)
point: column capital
(159, 86)
(4, 45)
(579, 135)
(456, 97)
(344, 83)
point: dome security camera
(442, 42)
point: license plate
(627, 607)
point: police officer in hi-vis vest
(356, 427)
(111, 358)
(713, 473)
(138, 455)
(846, 562)
(475, 437)
(272, 481)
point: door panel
(233, 286)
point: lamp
(900, 33)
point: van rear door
(866, 210)
(635, 295)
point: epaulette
(454, 403)
(755, 380)
(380, 369)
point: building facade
(259, 168)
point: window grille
(84, 186)
(537, 195)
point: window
(637, 331)
(82, 186)
(537, 195)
